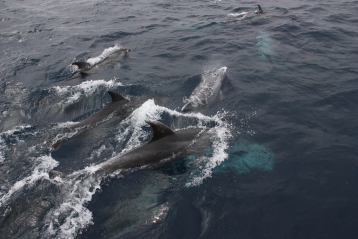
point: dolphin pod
(166, 145)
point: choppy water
(283, 163)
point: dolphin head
(222, 69)
(219, 74)
(126, 51)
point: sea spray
(75, 93)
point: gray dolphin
(259, 11)
(116, 106)
(165, 146)
(86, 68)
(99, 117)
(245, 15)
(207, 91)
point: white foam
(106, 53)
(75, 93)
(240, 14)
(45, 164)
(98, 152)
(221, 136)
(2, 150)
(71, 216)
(132, 126)
(10, 134)
(159, 214)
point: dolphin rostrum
(206, 92)
(165, 146)
(116, 106)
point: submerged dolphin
(165, 146)
(116, 106)
(86, 67)
(207, 91)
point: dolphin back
(54, 174)
(116, 97)
(206, 91)
(160, 130)
(82, 65)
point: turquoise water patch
(265, 47)
(246, 156)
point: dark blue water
(283, 160)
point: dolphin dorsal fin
(115, 96)
(260, 9)
(82, 65)
(160, 130)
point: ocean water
(283, 162)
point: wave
(10, 135)
(105, 54)
(75, 93)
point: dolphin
(259, 11)
(87, 67)
(165, 146)
(244, 15)
(99, 117)
(206, 92)
(116, 106)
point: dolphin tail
(54, 174)
(259, 11)
(184, 109)
(82, 65)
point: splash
(75, 93)
(240, 15)
(133, 125)
(105, 54)
(12, 136)
(44, 164)
(71, 216)
(207, 163)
